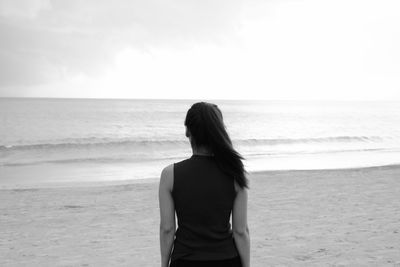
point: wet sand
(296, 218)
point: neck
(201, 151)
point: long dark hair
(206, 126)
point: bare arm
(167, 214)
(239, 225)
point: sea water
(80, 140)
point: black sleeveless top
(203, 196)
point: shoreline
(151, 180)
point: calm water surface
(77, 140)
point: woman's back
(204, 191)
(203, 198)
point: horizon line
(200, 99)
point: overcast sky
(202, 49)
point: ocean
(51, 141)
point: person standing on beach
(204, 190)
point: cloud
(48, 40)
(218, 48)
(22, 8)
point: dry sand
(296, 218)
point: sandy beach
(297, 218)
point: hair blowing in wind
(207, 129)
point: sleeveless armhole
(236, 187)
(173, 178)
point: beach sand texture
(296, 218)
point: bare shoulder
(239, 189)
(167, 177)
(168, 171)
